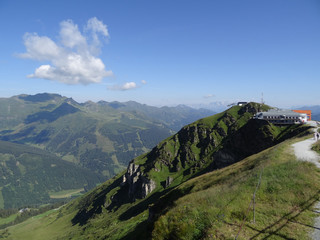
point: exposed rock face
(147, 187)
(139, 186)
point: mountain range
(86, 143)
(102, 137)
(196, 184)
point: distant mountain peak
(40, 97)
(116, 105)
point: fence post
(254, 207)
(253, 202)
(254, 197)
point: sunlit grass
(211, 206)
(219, 201)
(8, 219)
(316, 147)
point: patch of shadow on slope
(63, 110)
(92, 204)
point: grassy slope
(316, 147)
(210, 206)
(8, 219)
(218, 201)
(15, 109)
(66, 193)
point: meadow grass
(218, 204)
(316, 147)
(43, 226)
(9, 219)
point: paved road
(303, 152)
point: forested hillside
(30, 176)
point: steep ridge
(205, 145)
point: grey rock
(139, 186)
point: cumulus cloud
(124, 87)
(143, 81)
(73, 59)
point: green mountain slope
(183, 188)
(102, 136)
(31, 176)
(14, 110)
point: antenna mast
(262, 101)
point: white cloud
(95, 27)
(143, 81)
(72, 60)
(40, 48)
(70, 35)
(124, 87)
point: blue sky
(163, 52)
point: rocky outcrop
(139, 186)
(168, 182)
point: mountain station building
(308, 112)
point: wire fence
(252, 204)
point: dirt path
(303, 152)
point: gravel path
(303, 152)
